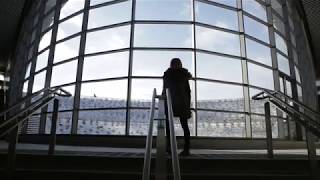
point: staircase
(121, 165)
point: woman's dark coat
(177, 82)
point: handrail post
(54, 119)
(161, 161)
(173, 142)
(147, 155)
(12, 148)
(268, 129)
(312, 154)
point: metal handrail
(147, 155)
(52, 91)
(24, 99)
(173, 140)
(271, 95)
(12, 125)
(311, 130)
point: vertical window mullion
(76, 104)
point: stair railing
(301, 114)
(161, 159)
(18, 113)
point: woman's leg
(186, 132)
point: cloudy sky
(154, 63)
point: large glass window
(110, 14)
(260, 76)
(217, 41)
(154, 63)
(283, 64)
(105, 66)
(70, 27)
(108, 39)
(281, 44)
(71, 7)
(165, 10)
(255, 8)
(219, 96)
(141, 91)
(42, 60)
(256, 29)
(258, 52)
(163, 35)
(64, 73)
(38, 82)
(45, 40)
(218, 67)
(220, 124)
(67, 49)
(226, 2)
(103, 122)
(216, 16)
(105, 94)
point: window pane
(106, 66)
(63, 124)
(257, 106)
(95, 2)
(28, 69)
(69, 27)
(219, 96)
(260, 76)
(65, 103)
(47, 21)
(45, 40)
(25, 88)
(67, 49)
(71, 7)
(220, 124)
(64, 73)
(258, 126)
(154, 63)
(39, 81)
(258, 52)
(277, 7)
(281, 44)
(108, 39)
(226, 2)
(299, 89)
(297, 74)
(217, 41)
(163, 35)
(219, 68)
(256, 29)
(110, 14)
(216, 16)
(164, 10)
(139, 122)
(141, 92)
(289, 88)
(278, 24)
(283, 64)
(42, 60)
(255, 8)
(104, 94)
(102, 122)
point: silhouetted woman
(176, 78)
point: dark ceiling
(312, 12)
(11, 12)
